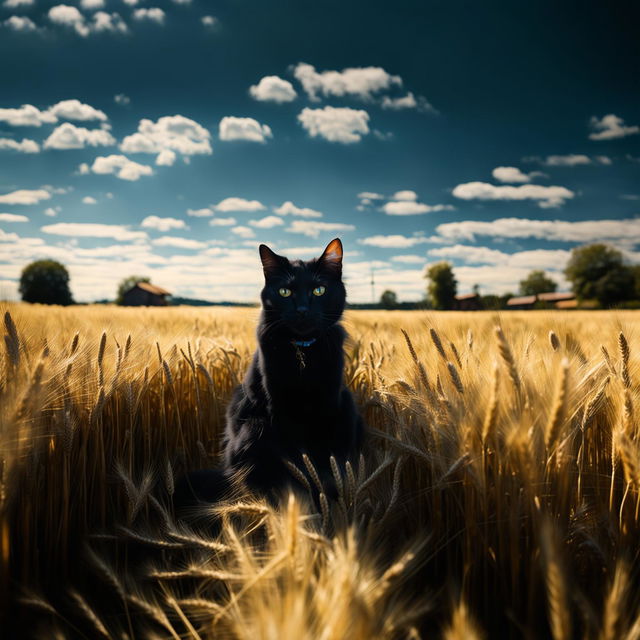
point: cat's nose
(302, 311)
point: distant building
(144, 294)
(555, 300)
(521, 303)
(468, 302)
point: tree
(442, 286)
(537, 282)
(46, 282)
(598, 272)
(389, 299)
(128, 283)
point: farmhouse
(468, 302)
(145, 294)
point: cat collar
(304, 343)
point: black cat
(293, 400)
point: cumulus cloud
(93, 230)
(154, 14)
(52, 212)
(92, 5)
(232, 128)
(17, 4)
(12, 217)
(360, 82)
(243, 232)
(121, 167)
(29, 116)
(335, 124)
(24, 146)
(510, 174)
(558, 230)
(176, 133)
(408, 102)
(209, 21)
(70, 17)
(288, 208)
(25, 196)
(393, 241)
(409, 259)
(163, 224)
(371, 195)
(20, 23)
(89, 200)
(610, 127)
(205, 212)
(568, 160)
(313, 229)
(545, 197)
(267, 223)
(222, 222)
(411, 208)
(273, 89)
(178, 243)
(68, 136)
(536, 259)
(405, 195)
(76, 110)
(239, 204)
(166, 158)
(122, 99)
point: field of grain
(498, 493)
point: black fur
(293, 399)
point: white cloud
(25, 196)
(166, 158)
(605, 160)
(12, 217)
(569, 160)
(610, 127)
(68, 136)
(554, 259)
(313, 229)
(178, 243)
(360, 82)
(26, 116)
(163, 224)
(546, 197)
(335, 124)
(24, 146)
(76, 110)
(267, 222)
(205, 212)
(239, 204)
(209, 21)
(510, 174)
(273, 89)
(52, 212)
(121, 167)
(70, 17)
(182, 1)
(243, 232)
(176, 133)
(288, 208)
(409, 259)
(408, 102)
(89, 200)
(20, 23)
(16, 4)
(112, 22)
(84, 169)
(232, 128)
(122, 99)
(93, 230)
(371, 195)
(410, 208)
(393, 241)
(222, 222)
(559, 230)
(153, 13)
(405, 195)
(91, 5)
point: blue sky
(169, 138)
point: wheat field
(497, 495)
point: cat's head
(304, 297)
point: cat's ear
(332, 257)
(271, 262)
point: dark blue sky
(496, 135)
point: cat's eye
(284, 292)
(319, 291)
